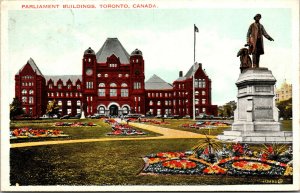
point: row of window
(200, 83)
(99, 75)
(170, 94)
(180, 111)
(27, 83)
(24, 91)
(69, 103)
(179, 102)
(67, 94)
(59, 86)
(27, 100)
(27, 77)
(136, 85)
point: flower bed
(122, 129)
(192, 163)
(206, 125)
(151, 121)
(75, 124)
(35, 133)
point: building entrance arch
(113, 110)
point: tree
(15, 108)
(52, 108)
(227, 109)
(285, 108)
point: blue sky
(56, 40)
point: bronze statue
(245, 59)
(255, 35)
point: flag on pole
(196, 29)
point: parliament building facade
(113, 83)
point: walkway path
(166, 134)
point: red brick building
(112, 83)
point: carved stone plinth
(256, 116)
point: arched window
(101, 90)
(150, 102)
(125, 110)
(113, 90)
(124, 91)
(69, 86)
(101, 110)
(31, 91)
(24, 91)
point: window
(196, 93)
(59, 86)
(106, 75)
(24, 99)
(89, 85)
(126, 75)
(203, 110)
(69, 111)
(203, 101)
(196, 101)
(149, 94)
(203, 92)
(166, 102)
(113, 91)
(150, 103)
(158, 103)
(24, 91)
(101, 92)
(59, 103)
(78, 86)
(30, 101)
(57, 94)
(158, 111)
(139, 98)
(137, 85)
(69, 103)
(52, 94)
(78, 103)
(124, 91)
(101, 110)
(99, 75)
(50, 86)
(125, 110)
(120, 75)
(78, 111)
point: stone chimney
(180, 74)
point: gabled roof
(64, 78)
(112, 46)
(33, 66)
(189, 74)
(156, 83)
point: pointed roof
(64, 78)
(156, 83)
(189, 74)
(112, 46)
(33, 66)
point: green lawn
(107, 163)
(286, 125)
(99, 131)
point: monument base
(256, 115)
(82, 115)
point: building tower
(137, 81)
(89, 80)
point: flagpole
(194, 113)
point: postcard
(150, 95)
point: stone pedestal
(256, 116)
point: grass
(176, 124)
(107, 163)
(89, 132)
(286, 125)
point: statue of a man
(255, 40)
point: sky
(57, 39)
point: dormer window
(78, 86)
(69, 86)
(50, 86)
(89, 60)
(59, 86)
(113, 65)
